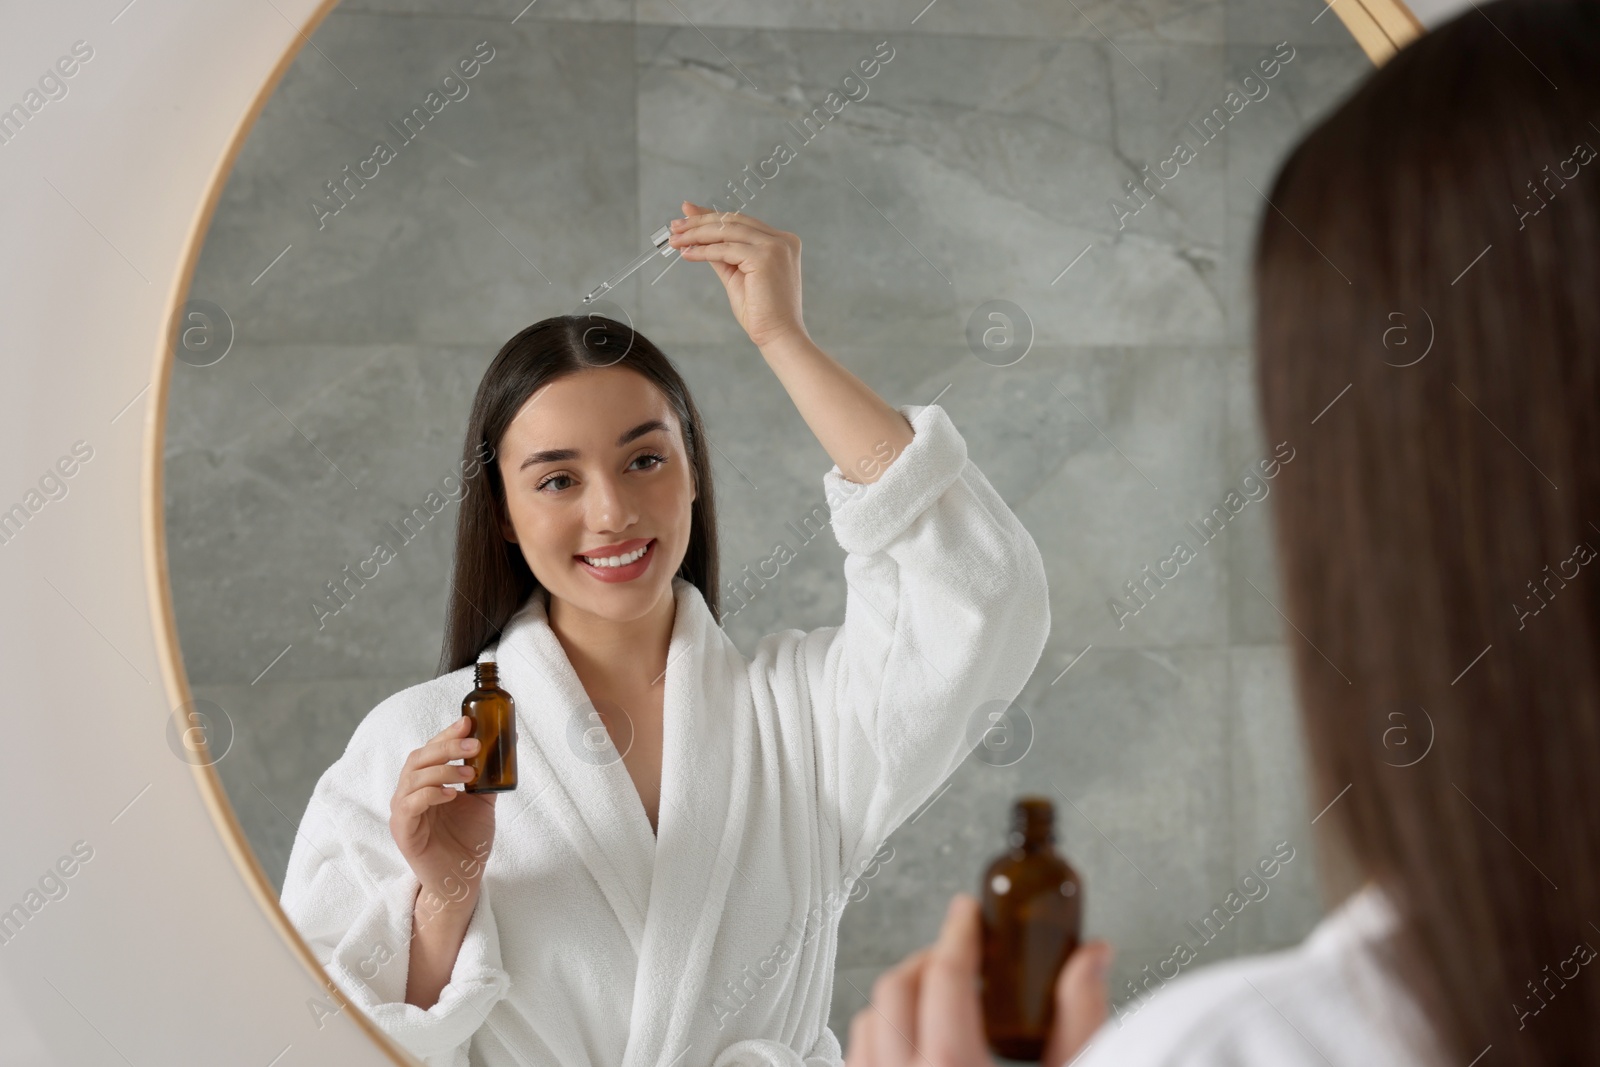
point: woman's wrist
(448, 907)
(436, 938)
(796, 342)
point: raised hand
(759, 265)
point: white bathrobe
(598, 944)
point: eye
(554, 477)
(658, 461)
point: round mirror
(1034, 218)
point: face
(609, 483)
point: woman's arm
(363, 912)
(759, 266)
(437, 929)
(850, 420)
(946, 604)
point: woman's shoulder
(1327, 1000)
(400, 722)
(424, 708)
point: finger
(413, 803)
(432, 777)
(460, 728)
(724, 270)
(1081, 1002)
(702, 236)
(447, 745)
(950, 1015)
(711, 232)
(732, 253)
(894, 1000)
(695, 213)
(724, 221)
(456, 728)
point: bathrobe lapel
(587, 793)
(705, 794)
(667, 889)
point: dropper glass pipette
(660, 247)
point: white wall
(157, 953)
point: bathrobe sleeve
(946, 615)
(350, 893)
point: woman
(664, 885)
(1431, 536)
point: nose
(610, 505)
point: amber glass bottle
(1032, 914)
(494, 724)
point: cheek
(529, 522)
(675, 499)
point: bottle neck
(485, 675)
(1032, 826)
(1036, 843)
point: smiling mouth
(627, 560)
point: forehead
(587, 410)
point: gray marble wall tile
(1255, 601)
(1312, 22)
(1187, 21)
(501, 11)
(958, 177)
(1137, 435)
(284, 736)
(275, 507)
(212, 408)
(1306, 87)
(1270, 801)
(508, 205)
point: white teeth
(615, 561)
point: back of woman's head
(1428, 331)
(490, 578)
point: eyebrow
(556, 455)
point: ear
(508, 531)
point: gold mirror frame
(1379, 27)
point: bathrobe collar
(668, 889)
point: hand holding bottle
(444, 834)
(926, 1008)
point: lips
(620, 549)
(626, 573)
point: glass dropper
(658, 240)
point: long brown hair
(1427, 282)
(490, 579)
